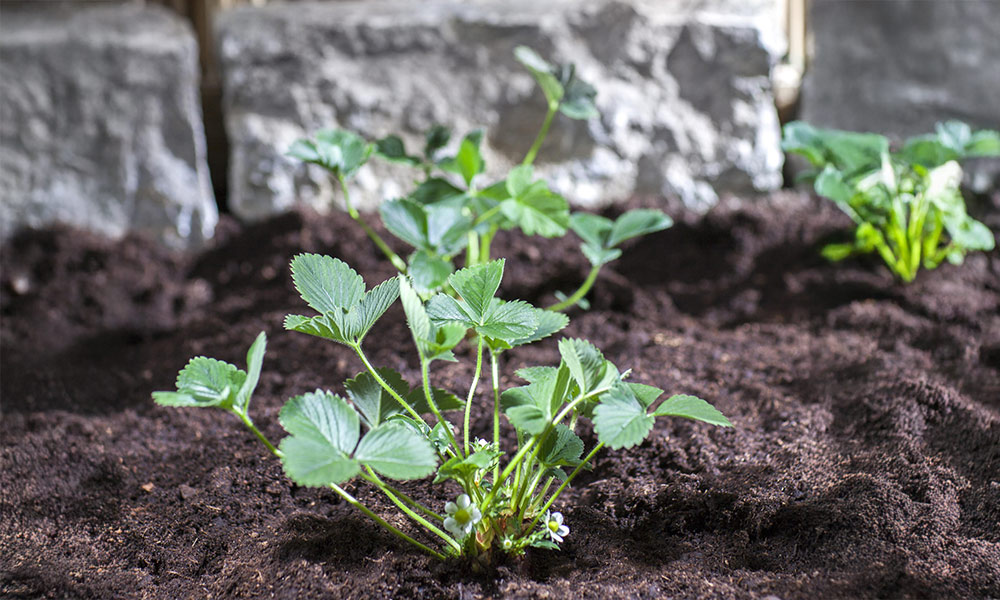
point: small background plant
(451, 210)
(387, 429)
(907, 204)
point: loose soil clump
(865, 461)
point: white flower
(555, 528)
(462, 516)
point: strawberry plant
(907, 204)
(451, 209)
(382, 428)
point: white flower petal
(450, 508)
(464, 501)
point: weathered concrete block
(899, 67)
(685, 98)
(101, 123)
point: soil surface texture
(865, 461)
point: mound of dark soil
(865, 461)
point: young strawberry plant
(451, 210)
(907, 203)
(383, 428)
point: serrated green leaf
(406, 220)
(255, 359)
(443, 309)
(585, 362)
(326, 283)
(509, 321)
(429, 271)
(519, 179)
(204, 382)
(322, 417)
(361, 317)
(691, 407)
(314, 463)
(645, 394)
(374, 403)
(391, 148)
(444, 400)
(477, 285)
(397, 452)
(985, 143)
(533, 374)
(637, 222)
(323, 326)
(339, 151)
(528, 418)
(416, 315)
(620, 421)
(538, 211)
(549, 322)
(435, 190)
(561, 448)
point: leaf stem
(564, 485)
(472, 249)
(378, 378)
(372, 478)
(358, 505)
(495, 381)
(249, 424)
(529, 158)
(472, 392)
(394, 258)
(425, 374)
(579, 293)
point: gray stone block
(899, 67)
(101, 123)
(684, 94)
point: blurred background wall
(148, 115)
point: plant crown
(451, 209)
(383, 428)
(907, 203)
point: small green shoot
(907, 204)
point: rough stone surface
(899, 67)
(684, 94)
(101, 124)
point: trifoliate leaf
(326, 283)
(530, 408)
(635, 223)
(691, 407)
(392, 149)
(341, 152)
(620, 421)
(397, 451)
(477, 285)
(537, 210)
(255, 359)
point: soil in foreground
(865, 461)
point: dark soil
(865, 461)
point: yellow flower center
(554, 526)
(462, 515)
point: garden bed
(865, 461)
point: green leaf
(528, 418)
(255, 359)
(585, 362)
(406, 220)
(327, 284)
(578, 98)
(530, 408)
(542, 71)
(968, 233)
(548, 323)
(691, 407)
(339, 151)
(429, 271)
(443, 309)
(392, 149)
(592, 229)
(533, 374)
(983, 143)
(519, 179)
(374, 403)
(323, 326)
(477, 285)
(315, 463)
(620, 421)
(468, 162)
(435, 190)
(645, 394)
(321, 416)
(459, 468)
(562, 448)
(537, 210)
(509, 321)
(437, 137)
(435, 228)
(398, 452)
(635, 223)
(599, 256)
(831, 184)
(204, 382)
(444, 400)
(847, 151)
(361, 317)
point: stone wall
(684, 93)
(101, 123)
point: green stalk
(563, 486)
(579, 293)
(372, 478)
(495, 381)
(918, 214)
(486, 216)
(378, 378)
(472, 392)
(472, 249)
(260, 436)
(425, 375)
(484, 244)
(544, 131)
(358, 505)
(394, 258)
(932, 240)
